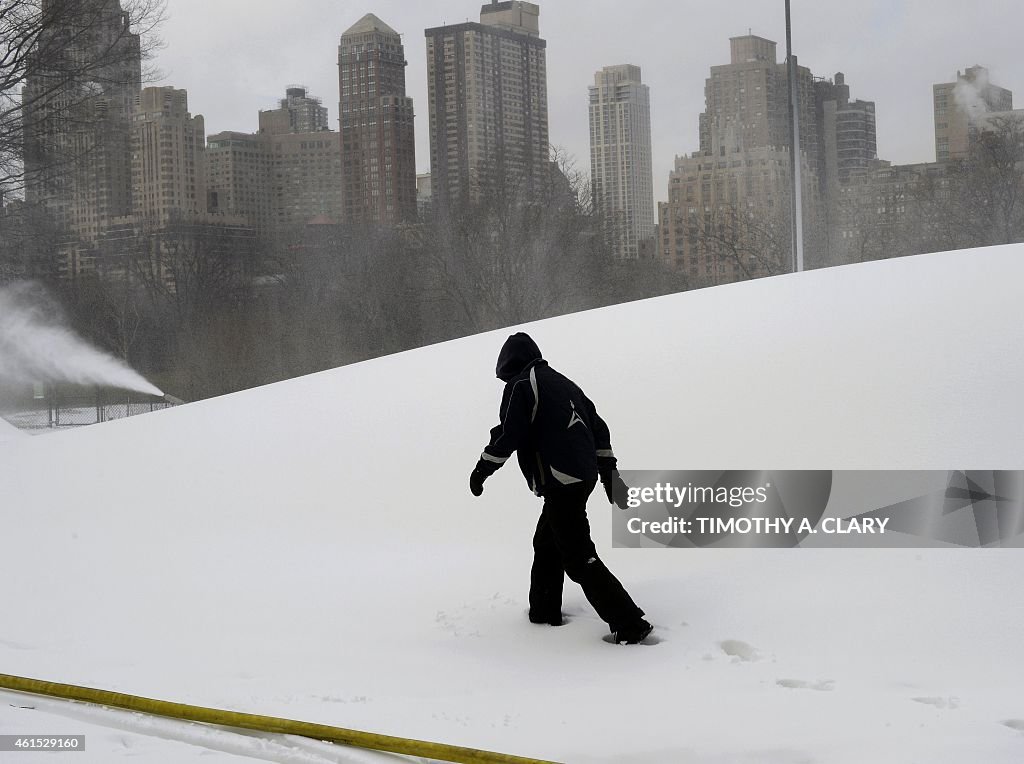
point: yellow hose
(374, 741)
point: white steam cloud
(36, 347)
(970, 96)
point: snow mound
(311, 549)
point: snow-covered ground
(9, 433)
(311, 549)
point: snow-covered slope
(9, 433)
(311, 549)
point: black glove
(612, 481)
(480, 473)
(476, 482)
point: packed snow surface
(311, 550)
(9, 434)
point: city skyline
(930, 42)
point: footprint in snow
(950, 703)
(453, 622)
(739, 650)
(1014, 724)
(824, 685)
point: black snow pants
(562, 545)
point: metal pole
(794, 153)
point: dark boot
(551, 619)
(632, 633)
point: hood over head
(518, 352)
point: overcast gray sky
(235, 57)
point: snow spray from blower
(36, 347)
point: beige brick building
(276, 178)
(728, 216)
(168, 157)
(238, 172)
(728, 212)
(305, 178)
(747, 102)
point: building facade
(620, 157)
(77, 132)
(729, 205)
(487, 93)
(728, 217)
(848, 133)
(277, 178)
(378, 144)
(305, 179)
(747, 102)
(168, 158)
(238, 173)
(297, 112)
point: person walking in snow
(563, 447)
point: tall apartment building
(848, 155)
(298, 112)
(957, 105)
(170, 222)
(238, 172)
(277, 178)
(168, 163)
(305, 179)
(77, 131)
(747, 102)
(378, 143)
(487, 91)
(620, 157)
(848, 132)
(728, 210)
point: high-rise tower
(848, 133)
(77, 127)
(168, 167)
(487, 88)
(728, 210)
(620, 157)
(378, 144)
(747, 102)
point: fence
(56, 407)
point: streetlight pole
(794, 152)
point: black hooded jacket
(546, 419)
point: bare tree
(28, 244)
(199, 284)
(992, 181)
(976, 201)
(515, 252)
(58, 58)
(755, 244)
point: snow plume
(36, 347)
(969, 95)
